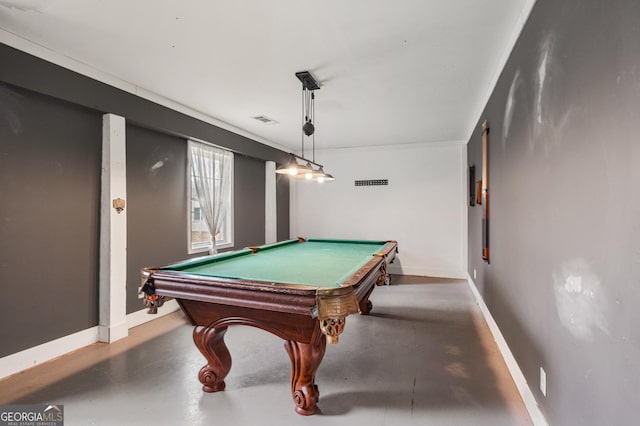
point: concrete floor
(423, 357)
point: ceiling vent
(264, 119)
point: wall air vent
(372, 182)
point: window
(210, 197)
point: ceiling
(391, 72)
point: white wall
(423, 207)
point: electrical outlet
(543, 381)
(140, 294)
(474, 273)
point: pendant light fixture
(306, 170)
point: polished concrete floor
(423, 357)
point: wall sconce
(118, 204)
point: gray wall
(49, 197)
(563, 282)
(156, 204)
(249, 202)
(282, 207)
(50, 167)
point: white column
(113, 232)
(270, 206)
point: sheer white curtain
(210, 168)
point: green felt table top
(321, 263)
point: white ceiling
(391, 72)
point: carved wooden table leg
(305, 359)
(365, 303)
(210, 341)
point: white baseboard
(14, 363)
(19, 361)
(516, 373)
(134, 319)
(426, 272)
(110, 334)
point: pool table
(301, 290)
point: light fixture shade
(328, 177)
(292, 168)
(305, 172)
(311, 173)
(321, 176)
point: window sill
(205, 250)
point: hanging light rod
(307, 80)
(305, 160)
(309, 169)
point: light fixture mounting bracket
(308, 82)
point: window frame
(229, 228)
